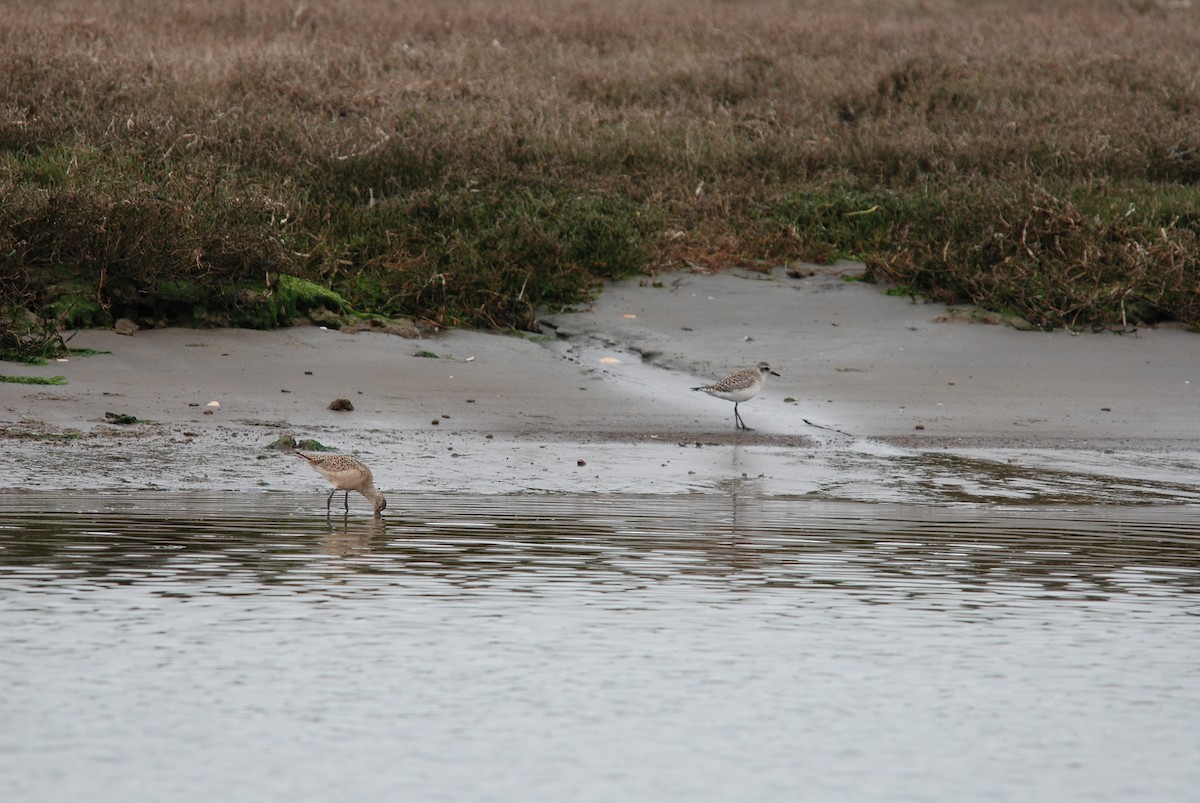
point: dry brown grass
(469, 160)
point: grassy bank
(466, 161)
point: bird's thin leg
(330, 499)
(347, 500)
(737, 418)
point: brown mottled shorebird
(739, 387)
(345, 474)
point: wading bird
(345, 474)
(739, 387)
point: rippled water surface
(240, 647)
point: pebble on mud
(341, 404)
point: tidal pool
(242, 647)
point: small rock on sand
(125, 326)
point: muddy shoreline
(880, 399)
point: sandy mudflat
(877, 401)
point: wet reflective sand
(706, 647)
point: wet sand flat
(879, 400)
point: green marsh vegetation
(34, 380)
(466, 162)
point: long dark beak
(773, 373)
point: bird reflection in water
(347, 538)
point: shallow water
(701, 647)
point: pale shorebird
(738, 387)
(345, 474)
